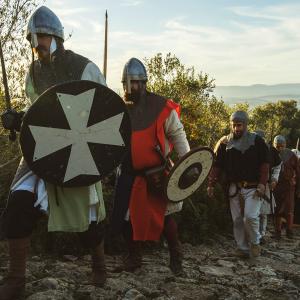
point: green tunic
(69, 208)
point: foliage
(16, 50)
(205, 118)
(282, 117)
(13, 17)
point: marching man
(288, 185)
(81, 209)
(141, 211)
(243, 157)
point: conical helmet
(44, 21)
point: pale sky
(235, 42)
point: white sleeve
(275, 172)
(91, 72)
(175, 133)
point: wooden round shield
(75, 133)
(199, 161)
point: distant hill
(258, 94)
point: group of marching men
(260, 180)
(252, 169)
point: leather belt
(247, 184)
(243, 185)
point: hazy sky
(235, 42)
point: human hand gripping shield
(75, 133)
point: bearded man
(243, 157)
(141, 211)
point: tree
(13, 19)
(282, 117)
(205, 118)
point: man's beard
(237, 136)
(43, 53)
(133, 97)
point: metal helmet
(240, 116)
(44, 21)
(279, 140)
(133, 70)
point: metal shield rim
(191, 152)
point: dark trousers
(20, 219)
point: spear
(297, 145)
(105, 47)
(12, 135)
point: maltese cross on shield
(75, 133)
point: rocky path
(212, 271)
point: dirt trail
(212, 271)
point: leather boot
(14, 284)
(99, 274)
(278, 225)
(290, 222)
(174, 245)
(133, 260)
(176, 257)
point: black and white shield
(75, 133)
(187, 175)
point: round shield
(188, 173)
(75, 133)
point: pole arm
(4, 79)
(105, 48)
(12, 135)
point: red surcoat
(146, 210)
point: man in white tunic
(70, 209)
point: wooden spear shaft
(105, 47)
(12, 135)
(4, 79)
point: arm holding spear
(11, 119)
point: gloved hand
(260, 190)
(11, 119)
